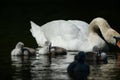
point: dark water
(40, 68)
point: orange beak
(118, 43)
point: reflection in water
(42, 68)
(118, 60)
(21, 67)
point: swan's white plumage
(38, 34)
(61, 33)
(56, 33)
(73, 34)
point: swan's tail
(38, 34)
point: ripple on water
(41, 68)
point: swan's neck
(105, 29)
(99, 23)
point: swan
(20, 50)
(76, 34)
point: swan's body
(75, 35)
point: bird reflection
(118, 60)
(25, 66)
(21, 67)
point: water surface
(42, 68)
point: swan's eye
(117, 38)
(114, 37)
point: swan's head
(117, 41)
(20, 45)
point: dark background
(15, 17)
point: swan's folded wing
(38, 34)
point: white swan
(75, 35)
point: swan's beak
(117, 41)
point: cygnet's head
(81, 56)
(20, 45)
(96, 49)
(103, 55)
(47, 43)
(25, 53)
